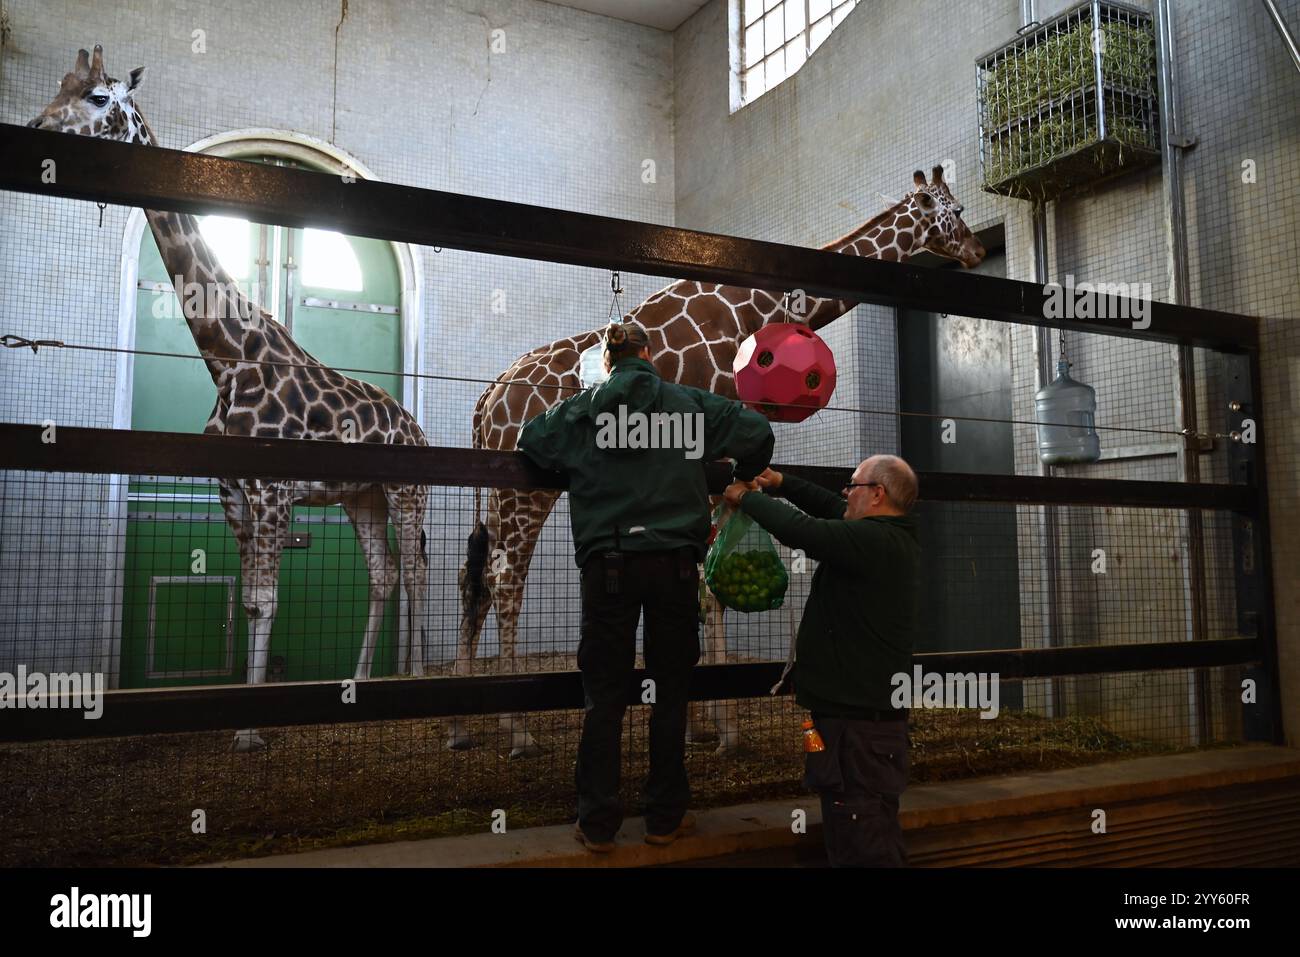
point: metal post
(1050, 531)
(1267, 626)
(1282, 29)
(1097, 40)
(1193, 534)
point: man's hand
(769, 479)
(736, 491)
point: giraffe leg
(266, 512)
(725, 716)
(406, 503)
(368, 512)
(700, 729)
(521, 519)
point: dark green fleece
(859, 623)
(656, 498)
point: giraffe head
(938, 214)
(92, 103)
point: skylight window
(774, 38)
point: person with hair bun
(640, 518)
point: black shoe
(663, 840)
(596, 847)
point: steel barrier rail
(128, 452)
(126, 174)
(154, 177)
(227, 707)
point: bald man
(857, 632)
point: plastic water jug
(1066, 415)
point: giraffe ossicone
(268, 387)
(695, 330)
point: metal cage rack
(1069, 103)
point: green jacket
(859, 623)
(655, 497)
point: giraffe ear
(137, 77)
(926, 202)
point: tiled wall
(893, 89)
(561, 109)
(567, 115)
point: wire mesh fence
(139, 578)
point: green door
(182, 619)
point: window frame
(739, 28)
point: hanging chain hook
(616, 290)
(102, 207)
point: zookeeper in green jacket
(857, 632)
(634, 448)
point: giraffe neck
(893, 235)
(208, 298)
(227, 327)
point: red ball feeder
(785, 371)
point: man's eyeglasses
(861, 485)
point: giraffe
(695, 329)
(305, 400)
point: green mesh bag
(743, 568)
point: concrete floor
(762, 834)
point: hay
(1040, 105)
(1033, 78)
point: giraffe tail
(474, 588)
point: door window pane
(228, 238)
(329, 262)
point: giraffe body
(302, 399)
(695, 330)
